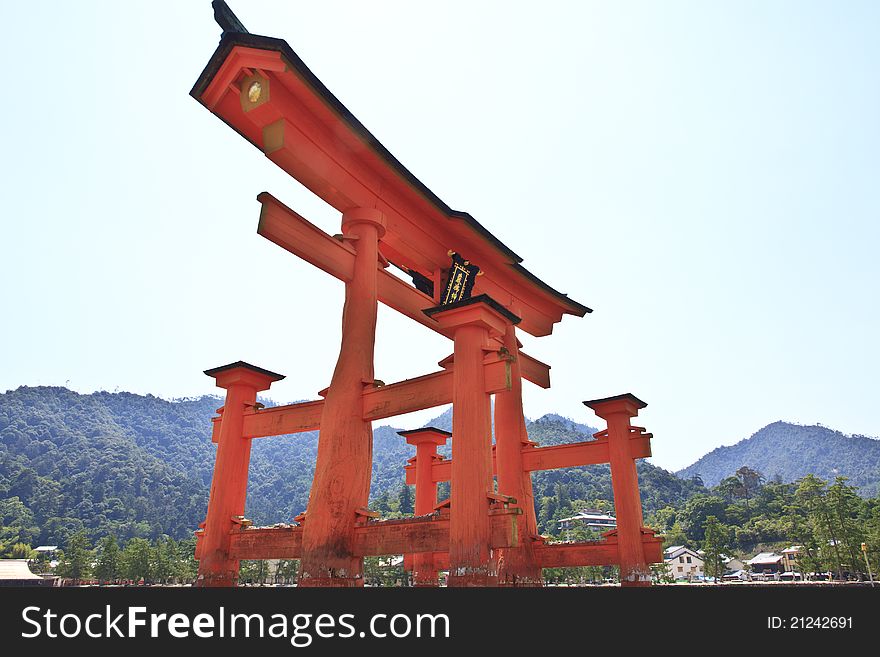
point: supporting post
(617, 411)
(426, 441)
(345, 446)
(516, 566)
(471, 323)
(229, 484)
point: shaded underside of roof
(233, 39)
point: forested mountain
(788, 452)
(140, 467)
(136, 465)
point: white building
(591, 519)
(683, 563)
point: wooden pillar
(426, 441)
(345, 446)
(229, 484)
(617, 411)
(471, 323)
(516, 566)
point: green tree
(21, 551)
(381, 504)
(137, 560)
(108, 563)
(76, 561)
(731, 489)
(405, 500)
(751, 482)
(253, 571)
(287, 571)
(696, 510)
(165, 560)
(715, 544)
(812, 493)
(845, 506)
(188, 567)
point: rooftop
(16, 569)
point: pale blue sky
(703, 174)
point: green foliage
(138, 468)
(74, 463)
(76, 561)
(406, 500)
(384, 571)
(716, 544)
(21, 551)
(107, 567)
(137, 560)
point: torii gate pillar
(343, 466)
(229, 484)
(426, 442)
(516, 566)
(617, 411)
(471, 323)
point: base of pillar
(472, 580)
(216, 581)
(521, 582)
(331, 582)
(638, 575)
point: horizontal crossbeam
(296, 234)
(382, 537)
(594, 553)
(565, 555)
(379, 402)
(549, 458)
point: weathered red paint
(552, 457)
(229, 483)
(345, 447)
(426, 442)
(595, 553)
(617, 412)
(469, 554)
(414, 536)
(515, 566)
(388, 216)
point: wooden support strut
(379, 402)
(299, 236)
(552, 457)
(429, 535)
(420, 535)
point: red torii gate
(259, 86)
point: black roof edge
(592, 403)
(424, 429)
(240, 363)
(226, 18)
(480, 298)
(231, 39)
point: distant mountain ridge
(792, 451)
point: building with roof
(15, 572)
(590, 519)
(789, 558)
(684, 563)
(766, 563)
